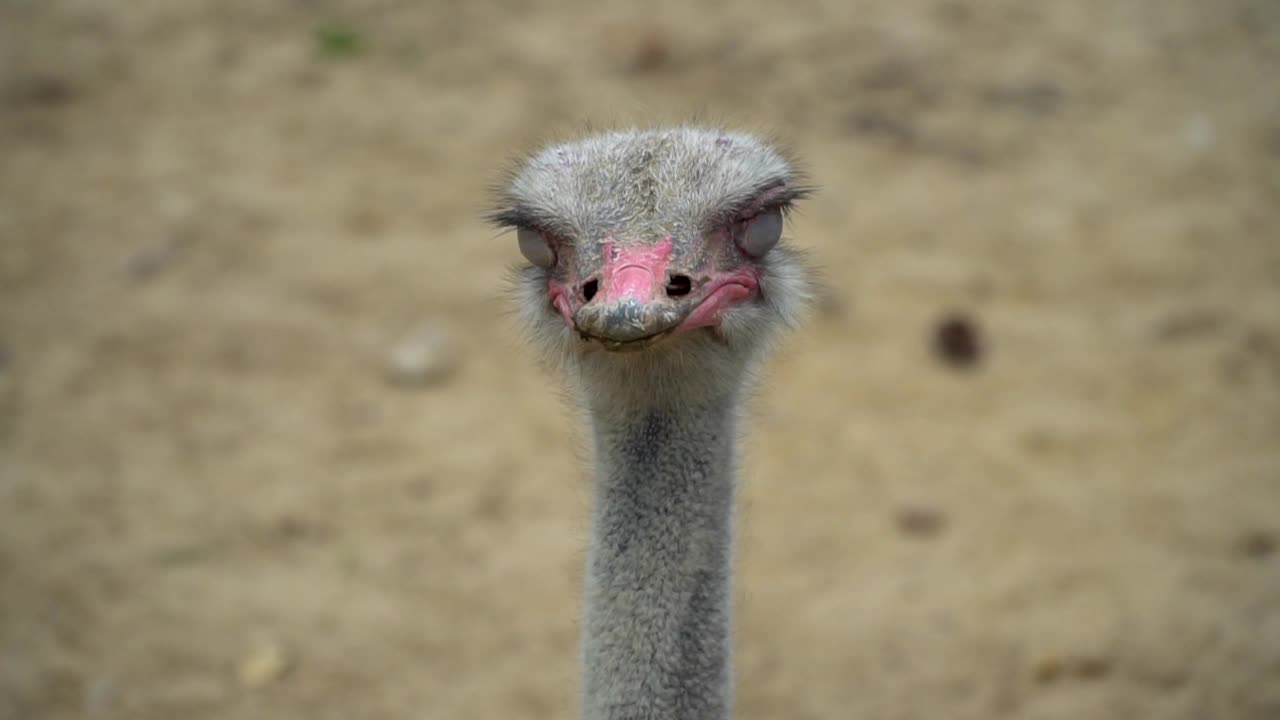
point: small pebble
(956, 341)
(146, 263)
(296, 528)
(143, 265)
(1047, 670)
(1091, 668)
(1257, 544)
(264, 665)
(8, 393)
(99, 697)
(1051, 669)
(651, 52)
(1199, 132)
(883, 126)
(921, 522)
(423, 357)
(43, 91)
(1190, 324)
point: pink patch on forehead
(634, 272)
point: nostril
(590, 288)
(679, 285)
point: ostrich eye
(534, 247)
(762, 233)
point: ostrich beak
(629, 307)
(628, 324)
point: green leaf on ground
(337, 41)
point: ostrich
(656, 280)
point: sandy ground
(216, 219)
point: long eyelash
(783, 199)
(787, 198)
(513, 217)
(523, 216)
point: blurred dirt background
(270, 446)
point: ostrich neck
(656, 626)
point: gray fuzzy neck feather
(656, 631)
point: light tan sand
(213, 505)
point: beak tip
(627, 320)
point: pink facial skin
(559, 295)
(639, 272)
(726, 290)
(634, 272)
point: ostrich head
(656, 266)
